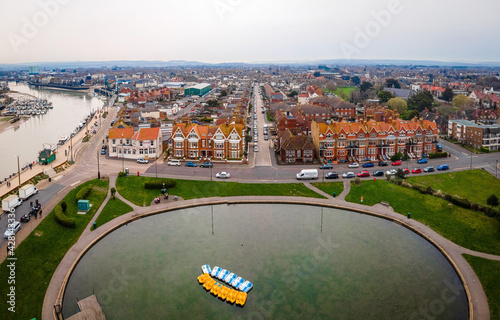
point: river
(27, 139)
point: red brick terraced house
(295, 147)
(372, 140)
(193, 141)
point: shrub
(492, 200)
(83, 193)
(64, 206)
(122, 174)
(62, 219)
(461, 202)
(357, 181)
(438, 155)
(439, 194)
(169, 183)
(483, 149)
(420, 187)
(113, 191)
(490, 212)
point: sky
(216, 31)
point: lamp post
(496, 170)
(19, 171)
(471, 159)
(98, 171)
(123, 165)
(71, 147)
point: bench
(385, 203)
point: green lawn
(468, 228)
(132, 189)
(461, 182)
(113, 208)
(343, 92)
(330, 187)
(39, 255)
(488, 272)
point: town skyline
(224, 31)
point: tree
(317, 74)
(492, 200)
(398, 104)
(331, 86)
(213, 103)
(113, 191)
(384, 96)
(448, 94)
(365, 86)
(223, 93)
(400, 174)
(354, 96)
(392, 83)
(462, 102)
(293, 94)
(355, 80)
(413, 114)
(420, 101)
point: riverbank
(7, 124)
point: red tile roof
(117, 133)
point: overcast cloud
(248, 30)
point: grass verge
(458, 183)
(132, 189)
(41, 252)
(468, 228)
(113, 209)
(330, 187)
(488, 272)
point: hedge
(83, 193)
(438, 155)
(169, 183)
(62, 219)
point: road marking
(74, 183)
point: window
(114, 141)
(114, 149)
(141, 151)
(140, 143)
(152, 143)
(194, 145)
(152, 151)
(178, 145)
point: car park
(326, 166)
(207, 164)
(378, 173)
(222, 175)
(190, 164)
(353, 165)
(12, 229)
(423, 160)
(348, 175)
(174, 162)
(368, 165)
(383, 164)
(396, 163)
(332, 175)
(443, 167)
(416, 170)
(429, 169)
(391, 172)
(363, 173)
(142, 160)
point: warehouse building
(199, 89)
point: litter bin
(95, 225)
(409, 215)
(50, 179)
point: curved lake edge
(119, 222)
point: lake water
(305, 263)
(27, 139)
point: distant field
(475, 185)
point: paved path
(473, 285)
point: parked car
(423, 160)
(190, 164)
(383, 164)
(363, 173)
(368, 165)
(103, 151)
(391, 172)
(266, 137)
(332, 175)
(142, 160)
(174, 162)
(429, 169)
(406, 171)
(25, 218)
(12, 229)
(348, 175)
(207, 164)
(443, 167)
(255, 149)
(326, 166)
(416, 170)
(378, 173)
(396, 163)
(222, 175)
(255, 139)
(353, 165)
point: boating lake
(305, 263)
(28, 138)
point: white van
(307, 174)
(174, 162)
